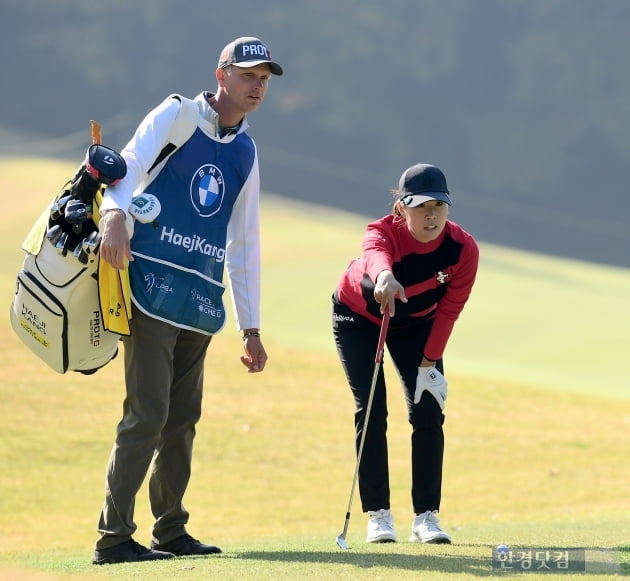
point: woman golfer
(421, 267)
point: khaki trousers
(164, 384)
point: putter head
(341, 542)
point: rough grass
(526, 464)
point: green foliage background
(523, 103)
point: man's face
(245, 87)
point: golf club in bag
(56, 310)
(341, 539)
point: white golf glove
(434, 382)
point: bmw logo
(207, 190)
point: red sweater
(437, 277)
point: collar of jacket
(212, 117)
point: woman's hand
(386, 290)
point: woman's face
(426, 221)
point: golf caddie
(208, 189)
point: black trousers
(356, 339)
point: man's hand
(430, 379)
(255, 355)
(115, 247)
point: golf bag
(56, 310)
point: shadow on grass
(598, 560)
(447, 564)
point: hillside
(545, 321)
(536, 423)
(523, 103)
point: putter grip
(381, 338)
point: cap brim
(414, 200)
(275, 68)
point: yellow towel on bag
(33, 241)
(115, 297)
(114, 290)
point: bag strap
(182, 129)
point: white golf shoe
(426, 529)
(380, 527)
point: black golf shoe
(185, 545)
(128, 552)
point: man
(208, 191)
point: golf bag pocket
(56, 312)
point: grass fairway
(536, 431)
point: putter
(341, 539)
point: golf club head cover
(76, 212)
(104, 164)
(431, 380)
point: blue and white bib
(177, 271)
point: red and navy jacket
(437, 276)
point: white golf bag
(56, 312)
(56, 309)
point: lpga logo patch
(153, 283)
(207, 190)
